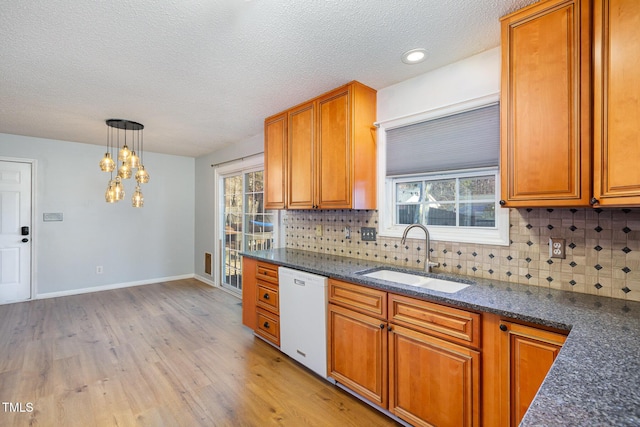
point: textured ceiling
(202, 74)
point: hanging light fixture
(128, 158)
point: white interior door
(15, 240)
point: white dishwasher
(303, 318)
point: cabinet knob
(381, 325)
(390, 329)
(503, 328)
(265, 296)
(593, 201)
(502, 202)
(266, 325)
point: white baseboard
(205, 280)
(112, 286)
(215, 285)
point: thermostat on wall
(52, 216)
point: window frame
(498, 235)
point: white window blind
(460, 141)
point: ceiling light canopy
(130, 160)
(414, 56)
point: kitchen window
(442, 171)
(451, 200)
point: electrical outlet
(318, 230)
(347, 232)
(556, 248)
(368, 234)
(98, 269)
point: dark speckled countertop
(595, 380)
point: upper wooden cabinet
(275, 155)
(616, 102)
(545, 105)
(570, 94)
(330, 152)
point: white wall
(205, 209)
(470, 78)
(132, 245)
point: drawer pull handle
(265, 296)
(266, 325)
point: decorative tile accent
(602, 248)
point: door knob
(25, 240)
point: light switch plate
(368, 234)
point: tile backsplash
(602, 248)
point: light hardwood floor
(167, 354)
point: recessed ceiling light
(414, 56)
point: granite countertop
(595, 380)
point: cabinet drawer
(267, 272)
(267, 298)
(268, 326)
(359, 298)
(446, 322)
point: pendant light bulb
(142, 176)
(124, 153)
(137, 201)
(107, 164)
(110, 195)
(124, 171)
(118, 189)
(134, 160)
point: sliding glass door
(245, 225)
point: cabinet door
(617, 102)
(545, 105)
(275, 161)
(433, 382)
(333, 176)
(527, 354)
(301, 157)
(358, 353)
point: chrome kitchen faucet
(427, 264)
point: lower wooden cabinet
(403, 354)
(433, 382)
(527, 354)
(358, 353)
(517, 357)
(260, 299)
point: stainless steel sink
(441, 285)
